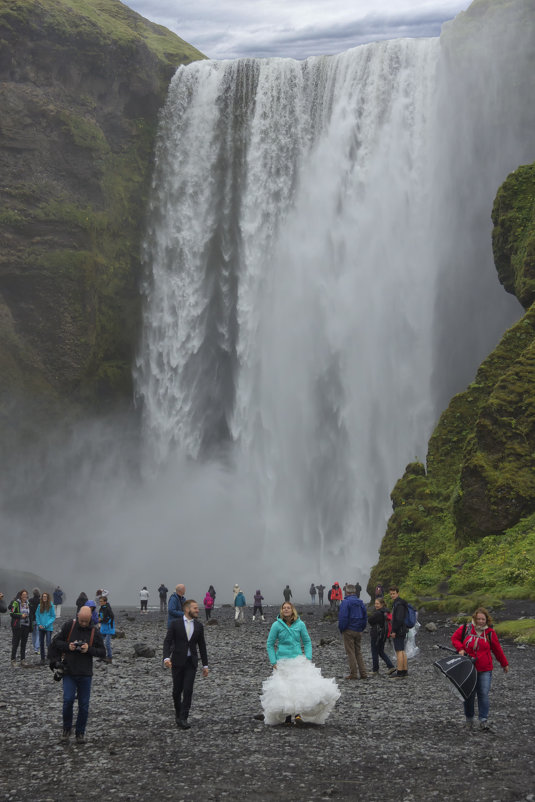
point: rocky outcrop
(80, 90)
(467, 519)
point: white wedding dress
(297, 686)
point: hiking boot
(24, 663)
(484, 726)
(14, 664)
(392, 671)
(350, 676)
(65, 735)
(469, 724)
(80, 738)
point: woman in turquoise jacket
(296, 687)
(45, 615)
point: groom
(183, 637)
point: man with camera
(78, 641)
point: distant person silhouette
(287, 593)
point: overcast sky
(295, 28)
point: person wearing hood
(296, 687)
(81, 601)
(479, 641)
(257, 601)
(94, 614)
(208, 603)
(312, 591)
(336, 595)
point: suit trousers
(352, 641)
(183, 679)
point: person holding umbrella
(479, 641)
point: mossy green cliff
(82, 82)
(464, 524)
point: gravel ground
(389, 740)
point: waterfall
(290, 275)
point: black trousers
(19, 635)
(183, 679)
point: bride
(296, 687)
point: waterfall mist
(318, 283)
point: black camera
(78, 645)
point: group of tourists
(295, 694)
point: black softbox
(461, 672)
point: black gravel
(389, 740)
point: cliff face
(466, 521)
(81, 84)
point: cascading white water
(288, 311)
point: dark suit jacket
(176, 644)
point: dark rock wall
(81, 85)
(479, 480)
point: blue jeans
(44, 635)
(482, 692)
(35, 636)
(378, 651)
(71, 687)
(107, 643)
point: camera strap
(91, 638)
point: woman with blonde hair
(479, 641)
(296, 687)
(45, 615)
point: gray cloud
(231, 30)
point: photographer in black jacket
(79, 641)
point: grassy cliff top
(107, 22)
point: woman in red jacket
(479, 640)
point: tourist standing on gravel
(208, 603)
(257, 602)
(107, 625)
(399, 631)
(184, 636)
(320, 589)
(352, 620)
(239, 606)
(296, 687)
(45, 615)
(312, 591)
(479, 641)
(162, 593)
(211, 591)
(81, 601)
(58, 600)
(379, 626)
(144, 599)
(176, 602)
(79, 641)
(34, 602)
(21, 626)
(336, 596)
(287, 593)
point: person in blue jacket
(107, 626)
(175, 604)
(296, 687)
(352, 620)
(45, 615)
(239, 605)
